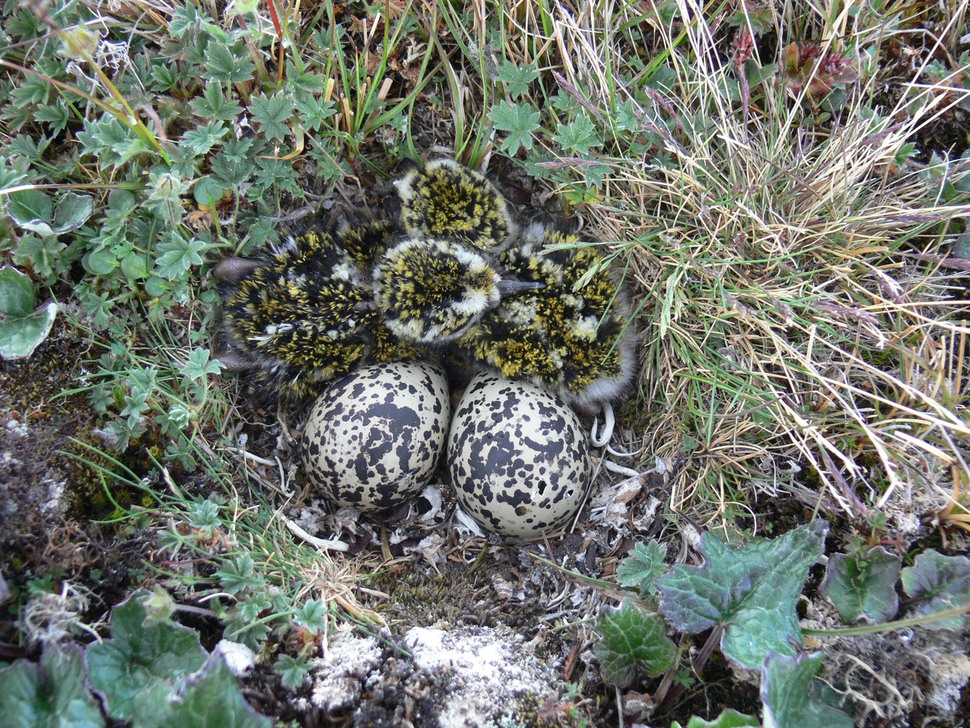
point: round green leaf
(101, 262)
(72, 211)
(19, 336)
(16, 293)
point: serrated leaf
(57, 115)
(863, 586)
(727, 719)
(642, 565)
(273, 114)
(177, 255)
(579, 136)
(751, 592)
(137, 670)
(518, 122)
(203, 138)
(293, 670)
(51, 694)
(214, 105)
(941, 582)
(517, 78)
(201, 364)
(210, 699)
(794, 698)
(633, 639)
(228, 64)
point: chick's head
(429, 291)
(444, 199)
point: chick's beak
(511, 287)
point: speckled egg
(373, 438)
(518, 457)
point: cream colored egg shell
(372, 440)
(518, 457)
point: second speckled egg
(518, 457)
(372, 440)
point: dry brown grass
(801, 323)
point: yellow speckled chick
(430, 291)
(446, 200)
(304, 314)
(573, 341)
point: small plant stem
(665, 691)
(190, 609)
(888, 626)
(279, 33)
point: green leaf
(32, 210)
(51, 694)
(208, 191)
(210, 699)
(940, 582)
(164, 76)
(237, 574)
(178, 255)
(633, 639)
(518, 121)
(71, 212)
(200, 365)
(727, 719)
(312, 616)
(56, 115)
(101, 262)
(214, 105)
(135, 671)
(43, 253)
(313, 111)
(110, 141)
(642, 565)
(22, 329)
(626, 117)
(961, 246)
(273, 114)
(794, 698)
(751, 592)
(293, 670)
(579, 136)
(16, 293)
(863, 586)
(201, 139)
(228, 64)
(517, 78)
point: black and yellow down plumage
(569, 338)
(443, 199)
(430, 291)
(304, 314)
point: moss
(53, 460)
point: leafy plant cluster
(243, 567)
(746, 599)
(141, 150)
(150, 672)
